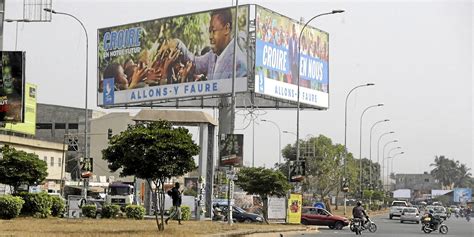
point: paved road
(393, 228)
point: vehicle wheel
(426, 230)
(331, 227)
(304, 222)
(443, 229)
(351, 227)
(372, 227)
(248, 221)
(339, 225)
(391, 217)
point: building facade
(423, 183)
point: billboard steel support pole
(86, 114)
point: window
(427, 180)
(52, 161)
(44, 126)
(73, 126)
(59, 162)
(59, 126)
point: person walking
(176, 196)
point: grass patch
(53, 227)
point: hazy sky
(418, 53)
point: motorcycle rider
(434, 220)
(359, 212)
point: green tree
(450, 173)
(19, 167)
(463, 176)
(155, 152)
(263, 182)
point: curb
(254, 232)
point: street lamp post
(279, 138)
(394, 159)
(298, 80)
(378, 152)
(370, 148)
(360, 145)
(345, 136)
(86, 114)
(383, 158)
(388, 164)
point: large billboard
(277, 56)
(11, 86)
(172, 58)
(29, 126)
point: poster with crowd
(277, 57)
(12, 81)
(175, 57)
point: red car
(319, 216)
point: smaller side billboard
(29, 126)
(12, 86)
(294, 208)
(462, 195)
(231, 149)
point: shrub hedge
(36, 204)
(58, 207)
(110, 211)
(135, 212)
(89, 211)
(185, 213)
(10, 206)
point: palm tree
(444, 171)
(463, 176)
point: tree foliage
(153, 151)
(450, 173)
(263, 182)
(19, 167)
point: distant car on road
(397, 208)
(240, 215)
(410, 214)
(319, 216)
(438, 211)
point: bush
(185, 213)
(59, 207)
(135, 212)
(89, 211)
(110, 211)
(36, 204)
(10, 206)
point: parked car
(410, 214)
(396, 208)
(240, 215)
(319, 216)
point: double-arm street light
(360, 144)
(298, 80)
(279, 137)
(370, 148)
(383, 158)
(86, 114)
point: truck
(119, 194)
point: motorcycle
(356, 226)
(428, 227)
(367, 225)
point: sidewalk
(270, 233)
